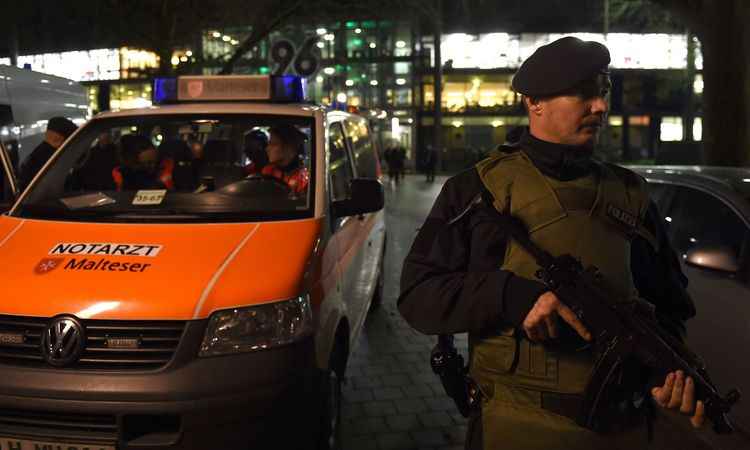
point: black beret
(61, 125)
(560, 65)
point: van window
(340, 165)
(182, 167)
(360, 141)
(697, 218)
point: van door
(8, 185)
(346, 230)
(371, 226)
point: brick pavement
(392, 400)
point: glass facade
(131, 95)
(655, 98)
(93, 65)
(385, 69)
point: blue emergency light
(165, 90)
(288, 88)
(268, 88)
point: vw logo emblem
(63, 341)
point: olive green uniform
(594, 218)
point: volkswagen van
(202, 304)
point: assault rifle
(620, 330)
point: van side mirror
(713, 257)
(366, 197)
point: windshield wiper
(53, 212)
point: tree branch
(257, 34)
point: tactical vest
(594, 218)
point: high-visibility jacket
(164, 175)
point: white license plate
(7, 443)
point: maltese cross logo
(47, 265)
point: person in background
(58, 130)
(400, 159)
(256, 142)
(141, 167)
(429, 161)
(394, 156)
(96, 171)
(184, 163)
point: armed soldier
(528, 353)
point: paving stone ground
(392, 400)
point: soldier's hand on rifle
(541, 322)
(678, 393)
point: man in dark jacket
(464, 273)
(58, 130)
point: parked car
(195, 296)
(706, 212)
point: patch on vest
(620, 216)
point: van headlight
(257, 327)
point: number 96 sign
(303, 62)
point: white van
(27, 100)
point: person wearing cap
(58, 130)
(528, 352)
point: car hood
(149, 271)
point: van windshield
(166, 168)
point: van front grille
(91, 427)
(110, 344)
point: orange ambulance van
(192, 275)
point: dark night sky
(46, 26)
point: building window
(671, 129)
(126, 96)
(698, 129)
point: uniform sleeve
(444, 291)
(34, 162)
(659, 278)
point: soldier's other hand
(541, 322)
(678, 393)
